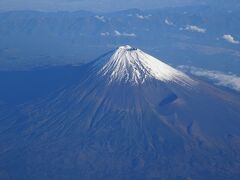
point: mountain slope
(130, 116)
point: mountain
(107, 5)
(129, 116)
(131, 65)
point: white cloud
(194, 28)
(124, 34)
(229, 38)
(168, 22)
(231, 81)
(105, 34)
(143, 17)
(101, 18)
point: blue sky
(93, 5)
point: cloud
(231, 81)
(229, 38)
(105, 34)
(168, 22)
(124, 34)
(194, 28)
(143, 17)
(101, 18)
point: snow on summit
(132, 65)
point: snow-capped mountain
(129, 116)
(132, 65)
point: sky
(92, 5)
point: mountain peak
(131, 65)
(127, 48)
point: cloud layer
(231, 81)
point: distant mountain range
(109, 6)
(127, 115)
(195, 35)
